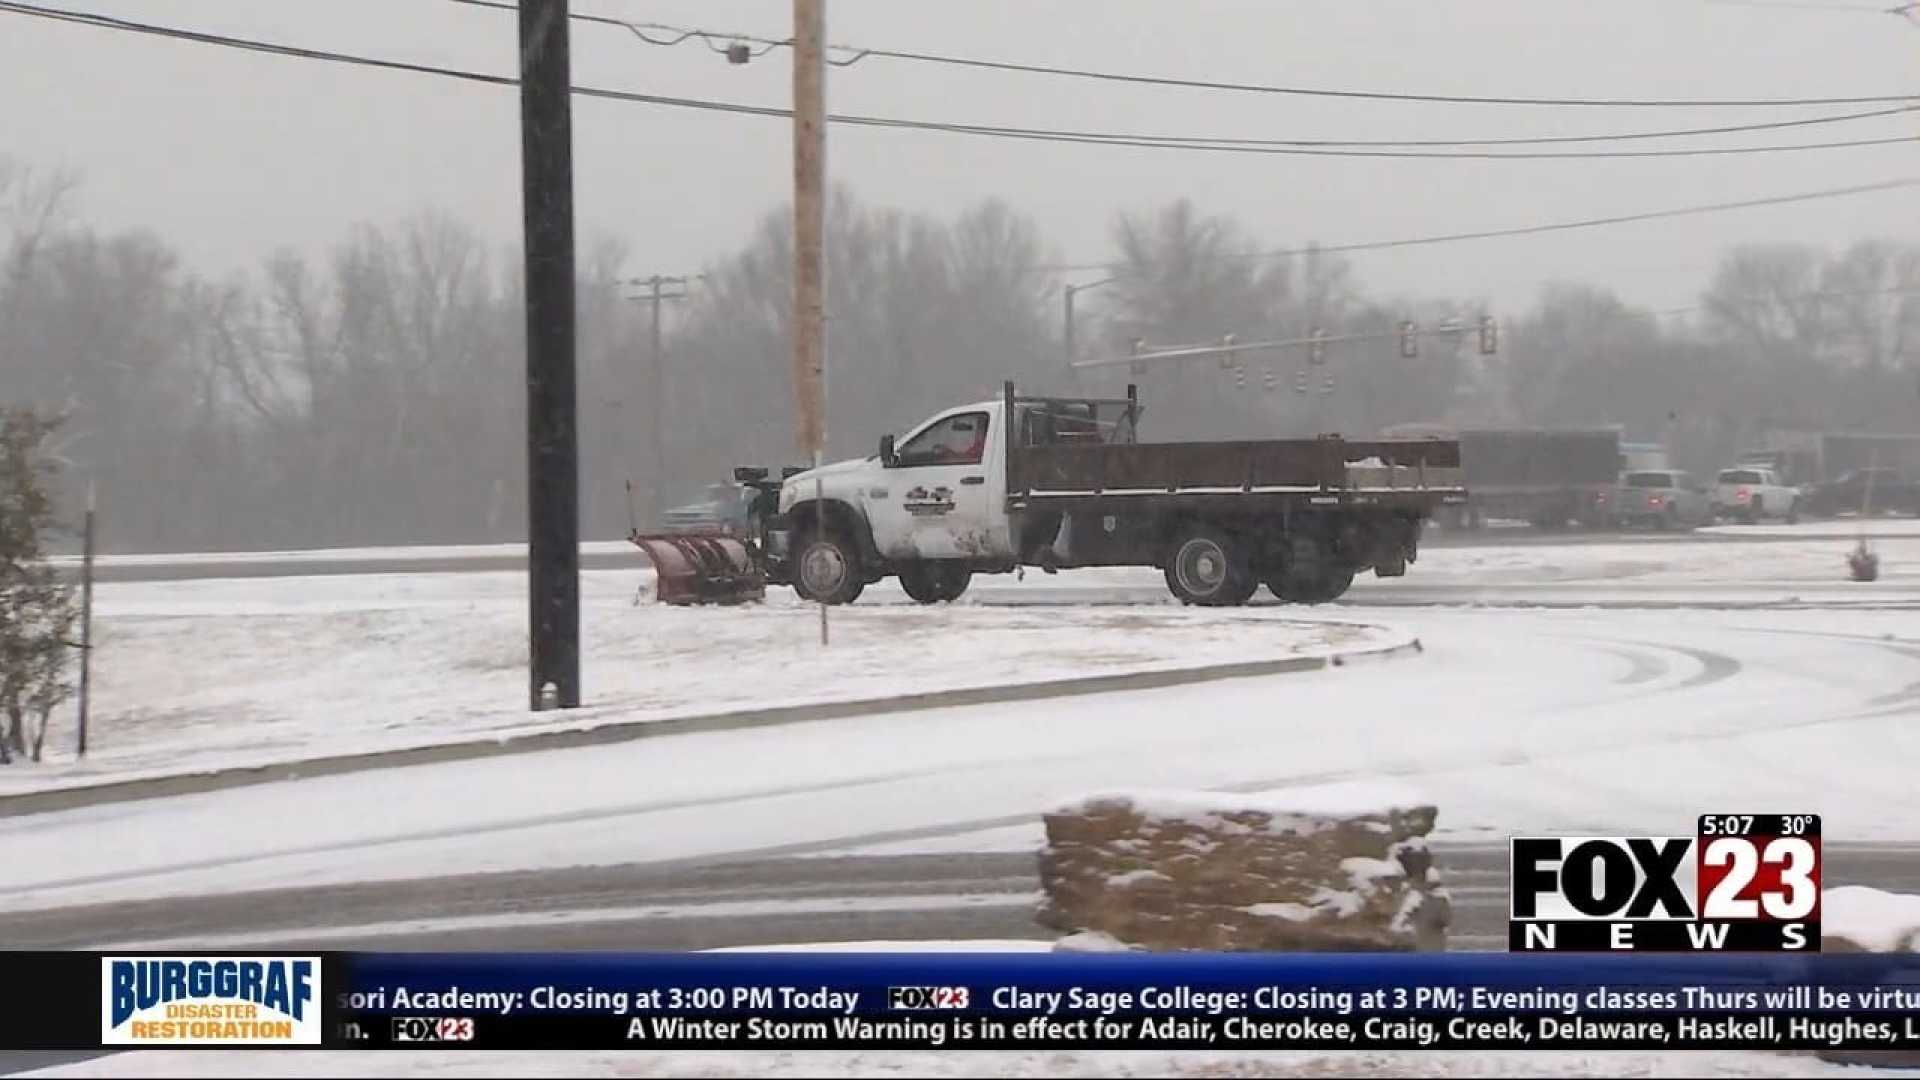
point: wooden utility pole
(657, 287)
(809, 238)
(553, 477)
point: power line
(499, 80)
(1093, 138)
(853, 55)
(1559, 226)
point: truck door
(934, 501)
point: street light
(1067, 297)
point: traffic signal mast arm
(1228, 348)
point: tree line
(374, 394)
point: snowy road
(1513, 720)
(735, 903)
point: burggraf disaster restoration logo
(210, 1000)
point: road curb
(67, 798)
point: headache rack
(1328, 465)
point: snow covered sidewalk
(200, 675)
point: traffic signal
(1489, 336)
(1409, 340)
(1300, 381)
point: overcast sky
(231, 154)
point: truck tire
(934, 580)
(1312, 574)
(828, 570)
(1324, 588)
(1209, 568)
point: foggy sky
(229, 154)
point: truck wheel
(1317, 590)
(1208, 568)
(828, 571)
(933, 581)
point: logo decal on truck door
(921, 502)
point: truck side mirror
(888, 457)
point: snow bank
(1291, 809)
(1876, 921)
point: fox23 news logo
(210, 1000)
(1742, 883)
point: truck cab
(935, 495)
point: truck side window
(956, 440)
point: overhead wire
(110, 22)
(852, 55)
(1097, 138)
(1549, 227)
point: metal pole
(809, 236)
(86, 621)
(656, 439)
(553, 480)
(1072, 353)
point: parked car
(1661, 499)
(1749, 493)
(1891, 490)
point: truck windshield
(1739, 476)
(1650, 480)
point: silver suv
(1661, 499)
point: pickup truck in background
(1748, 493)
(1059, 483)
(1865, 490)
(1662, 499)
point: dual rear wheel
(1210, 568)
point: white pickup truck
(1063, 482)
(1749, 493)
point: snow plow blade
(702, 568)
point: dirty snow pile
(1875, 920)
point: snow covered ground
(970, 1064)
(1628, 721)
(191, 675)
(232, 671)
(1713, 557)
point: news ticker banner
(1054, 1001)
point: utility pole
(86, 624)
(657, 291)
(809, 239)
(553, 477)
